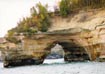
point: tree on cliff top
(64, 7)
(38, 21)
(44, 18)
(72, 5)
(40, 18)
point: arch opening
(73, 51)
(56, 55)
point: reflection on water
(57, 66)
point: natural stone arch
(38, 46)
(73, 51)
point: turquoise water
(57, 67)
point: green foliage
(33, 11)
(44, 18)
(10, 33)
(22, 26)
(13, 40)
(88, 3)
(11, 37)
(72, 5)
(64, 7)
(40, 19)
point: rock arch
(78, 44)
(73, 51)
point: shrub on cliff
(44, 18)
(40, 17)
(39, 20)
(71, 5)
(13, 40)
(64, 7)
(89, 3)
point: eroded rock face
(78, 45)
(87, 19)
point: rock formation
(81, 35)
(78, 44)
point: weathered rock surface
(87, 19)
(78, 44)
(82, 36)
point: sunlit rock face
(87, 43)
(78, 44)
(87, 19)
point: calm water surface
(53, 67)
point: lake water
(57, 67)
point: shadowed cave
(72, 52)
(56, 55)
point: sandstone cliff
(87, 19)
(93, 19)
(82, 35)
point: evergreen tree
(64, 7)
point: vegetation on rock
(64, 7)
(40, 19)
(67, 6)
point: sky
(11, 11)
